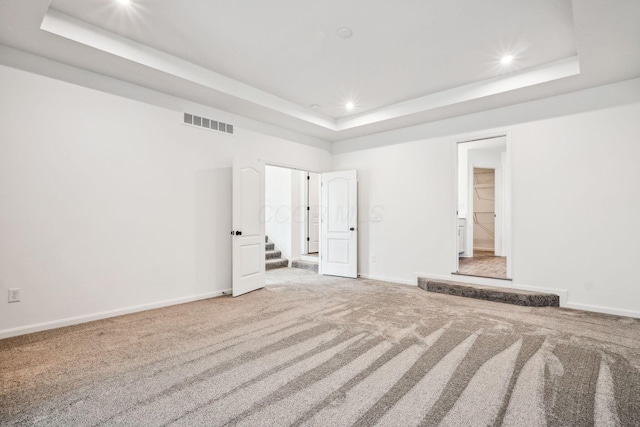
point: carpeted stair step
(507, 296)
(272, 254)
(305, 265)
(273, 257)
(274, 263)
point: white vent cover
(209, 124)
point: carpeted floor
(320, 351)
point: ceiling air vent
(206, 123)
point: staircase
(273, 257)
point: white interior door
(497, 245)
(248, 226)
(313, 213)
(339, 201)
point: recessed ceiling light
(507, 59)
(345, 32)
(349, 106)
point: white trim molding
(387, 279)
(44, 326)
(63, 25)
(472, 280)
(603, 309)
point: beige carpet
(319, 351)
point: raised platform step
(305, 265)
(272, 264)
(271, 254)
(269, 246)
(504, 295)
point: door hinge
(308, 177)
(308, 208)
(308, 239)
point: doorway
(312, 217)
(311, 220)
(483, 211)
(270, 201)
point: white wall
(409, 188)
(285, 209)
(298, 214)
(278, 202)
(110, 205)
(463, 179)
(575, 197)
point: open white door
(248, 226)
(497, 245)
(339, 235)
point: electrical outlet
(14, 295)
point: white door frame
(498, 212)
(304, 169)
(497, 208)
(298, 242)
(506, 202)
(313, 206)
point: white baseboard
(23, 330)
(562, 293)
(432, 276)
(602, 309)
(387, 279)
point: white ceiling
(408, 62)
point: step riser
(506, 296)
(272, 265)
(269, 246)
(305, 265)
(272, 254)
